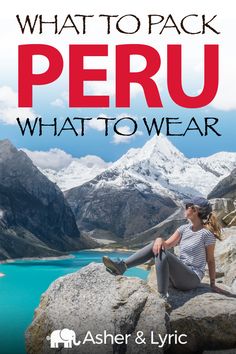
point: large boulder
(222, 207)
(94, 301)
(203, 315)
(230, 277)
(230, 219)
(207, 318)
(225, 253)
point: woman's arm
(173, 240)
(170, 242)
(212, 270)
(211, 263)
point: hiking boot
(164, 296)
(114, 267)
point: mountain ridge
(149, 183)
(35, 219)
(142, 188)
(172, 168)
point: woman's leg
(141, 256)
(118, 267)
(169, 266)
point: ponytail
(212, 224)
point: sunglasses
(187, 206)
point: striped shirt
(192, 246)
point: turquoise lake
(25, 281)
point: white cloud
(126, 115)
(58, 102)
(61, 101)
(65, 96)
(98, 124)
(125, 129)
(54, 159)
(9, 109)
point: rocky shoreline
(52, 258)
(69, 256)
(100, 249)
(12, 260)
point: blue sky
(94, 142)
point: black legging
(168, 268)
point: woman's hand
(219, 290)
(158, 245)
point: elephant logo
(64, 336)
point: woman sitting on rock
(196, 242)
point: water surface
(26, 280)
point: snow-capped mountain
(159, 165)
(144, 187)
(77, 172)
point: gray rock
(226, 351)
(94, 300)
(222, 206)
(230, 277)
(226, 188)
(225, 251)
(230, 219)
(205, 316)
